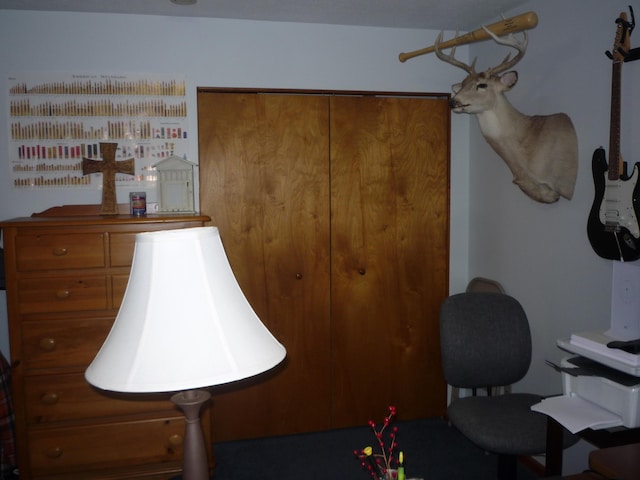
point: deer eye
(481, 86)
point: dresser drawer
(59, 398)
(55, 450)
(62, 294)
(63, 342)
(118, 287)
(121, 246)
(58, 252)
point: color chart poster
(57, 119)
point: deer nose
(453, 103)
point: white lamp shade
(184, 322)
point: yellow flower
(368, 451)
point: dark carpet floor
(433, 451)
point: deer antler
(509, 41)
(470, 69)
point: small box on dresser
(67, 271)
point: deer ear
(509, 79)
(456, 88)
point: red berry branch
(378, 464)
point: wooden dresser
(66, 276)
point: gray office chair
(482, 284)
(486, 342)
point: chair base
(507, 467)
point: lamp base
(194, 463)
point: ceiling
(422, 14)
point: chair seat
(503, 424)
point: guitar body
(612, 226)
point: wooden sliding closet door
(264, 174)
(334, 212)
(390, 255)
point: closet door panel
(389, 236)
(264, 181)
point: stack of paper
(576, 414)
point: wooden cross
(108, 167)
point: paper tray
(576, 414)
(609, 361)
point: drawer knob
(47, 344)
(63, 294)
(55, 452)
(175, 440)
(49, 398)
(59, 252)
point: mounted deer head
(540, 151)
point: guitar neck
(615, 159)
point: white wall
(223, 53)
(541, 252)
(213, 53)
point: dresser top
(89, 214)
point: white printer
(602, 382)
(604, 387)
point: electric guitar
(612, 226)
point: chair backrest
(481, 284)
(485, 340)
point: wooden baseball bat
(515, 24)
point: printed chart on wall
(57, 119)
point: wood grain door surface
(389, 264)
(333, 210)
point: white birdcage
(175, 185)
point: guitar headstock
(622, 43)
